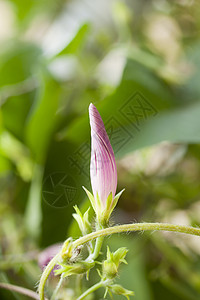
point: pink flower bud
(103, 171)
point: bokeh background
(139, 63)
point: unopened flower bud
(103, 171)
(111, 264)
(119, 290)
(109, 269)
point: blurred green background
(139, 63)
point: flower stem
(93, 288)
(98, 244)
(97, 248)
(46, 274)
(111, 230)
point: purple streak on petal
(103, 171)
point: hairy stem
(116, 229)
(136, 227)
(98, 244)
(46, 274)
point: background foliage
(139, 63)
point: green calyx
(114, 259)
(110, 271)
(74, 269)
(103, 211)
(110, 205)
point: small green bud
(67, 250)
(119, 290)
(111, 264)
(109, 269)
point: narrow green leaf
(33, 213)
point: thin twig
(20, 290)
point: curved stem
(136, 227)
(98, 244)
(97, 248)
(116, 229)
(19, 289)
(46, 274)
(92, 289)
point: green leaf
(40, 125)
(33, 214)
(18, 61)
(139, 86)
(18, 66)
(16, 152)
(75, 45)
(181, 125)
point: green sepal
(106, 212)
(98, 204)
(103, 211)
(110, 294)
(91, 198)
(110, 205)
(99, 273)
(74, 269)
(106, 292)
(115, 200)
(119, 255)
(109, 270)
